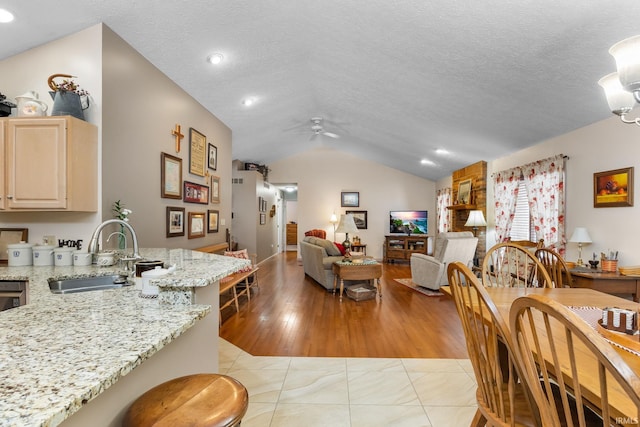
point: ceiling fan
(318, 129)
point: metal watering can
(67, 102)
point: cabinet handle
(10, 197)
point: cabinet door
(36, 163)
(2, 162)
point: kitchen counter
(59, 352)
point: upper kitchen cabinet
(51, 164)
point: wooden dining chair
(502, 400)
(511, 265)
(575, 375)
(556, 267)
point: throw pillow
(340, 247)
(332, 250)
(243, 254)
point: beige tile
(247, 361)
(381, 388)
(444, 389)
(432, 365)
(449, 416)
(385, 416)
(369, 364)
(259, 415)
(323, 387)
(318, 363)
(292, 414)
(263, 386)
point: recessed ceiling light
(249, 101)
(441, 151)
(215, 58)
(5, 16)
(427, 162)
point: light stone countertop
(60, 351)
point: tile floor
(352, 392)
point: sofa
(431, 271)
(318, 256)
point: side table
(357, 247)
(369, 270)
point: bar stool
(200, 400)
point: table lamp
(347, 225)
(334, 221)
(580, 235)
(475, 220)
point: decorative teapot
(30, 105)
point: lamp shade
(620, 101)
(476, 219)
(580, 235)
(333, 219)
(627, 55)
(347, 224)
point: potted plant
(68, 97)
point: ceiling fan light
(620, 101)
(248, 102)
(627, 56)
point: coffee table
(369, 269)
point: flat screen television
(408, 222)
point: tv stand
(400, 247)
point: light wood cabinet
(292, 234)
(50, 163)
(400, 248)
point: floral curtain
(443, 214)
(544, 180)
(505, 191)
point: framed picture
(360, 218)
(196, 225)
(350, 199)
(213, 157)
(464, 192)
(263, 218)
(170, 176)
(212, 221)
(196, 193)
(613, 188)
(197, 152)
(175, 221)
(264, 205)
(259, 203)
(215, 189)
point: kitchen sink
(86, 284)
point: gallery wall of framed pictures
(200, 188)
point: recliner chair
(431, 271)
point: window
(522, 225)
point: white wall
(79, 55)
(323, 173)
(602, 146)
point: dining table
(579, 300)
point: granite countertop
(60, 351)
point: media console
(400, 248)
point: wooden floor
(292, 315)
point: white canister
(43, 255)
(82, 258)
(20, 254)
(63, 256)
(106, 259)
(147, 288)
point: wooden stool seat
(201, 400)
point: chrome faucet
(93, 244)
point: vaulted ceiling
(396, 80)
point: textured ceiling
(395, 79)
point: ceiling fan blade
(331, 135)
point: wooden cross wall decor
(178, 135)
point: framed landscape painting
(360, 218)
